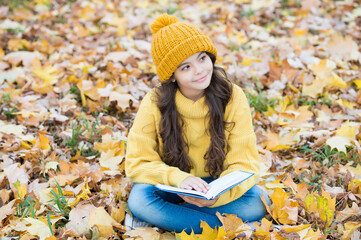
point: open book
(217, 187)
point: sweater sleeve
(243, 153)
(143, 162)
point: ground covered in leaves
(74, 72)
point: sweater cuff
(177, 178)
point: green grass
(75, 90)
(14, 4)
(60, 206)
(259, 101)
(303, 100)
(7, 107)
(79, 128)
(328, 157)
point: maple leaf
(324, 78)
(47, 74)
(347, 131)
(263, 230)
(339, 143)
(323, 206)
(276, 142)
(233, 225)
(284, 210)
(343, 48)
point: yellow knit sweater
(143, 162)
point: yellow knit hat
(173, 42)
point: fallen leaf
(7, 210)
(38, 228)
(339, 143)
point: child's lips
(202, 78)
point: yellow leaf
(110, 161)
(358, 83)
(207, 232)
(315, 88)
(47, 74)
(323, 68)
(103, 221)
(311, 235)
(184, 236)
(323, 206)
(43, 143)
(38, 228)
(284, 209)
(118, 214)
(18, 44)
(347, 131)
(346, 104)
(22, 190)
(300, 32)
(276, 142)
(51, 238)
(43, 2)
(326, 213)
(233, 225)
(82, 196)
(249, 61)
(339, 143)
(275, 184)
(108, 143)
(335, 81)
(355, 186)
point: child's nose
(199, 69)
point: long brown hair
(175, 147)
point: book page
(227, 181)
(180, 190)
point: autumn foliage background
(72, 75)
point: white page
(175, 189)
(227, 181)
(216, 186)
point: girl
(193, 128)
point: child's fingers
(195, 183)
(199, 185)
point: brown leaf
(289, 235)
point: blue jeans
(168, 211)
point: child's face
(194, 75)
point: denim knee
(258, 192)
(139, 198)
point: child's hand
(195, 183)
(200, 202)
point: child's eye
(202, 58)
(186, 67)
